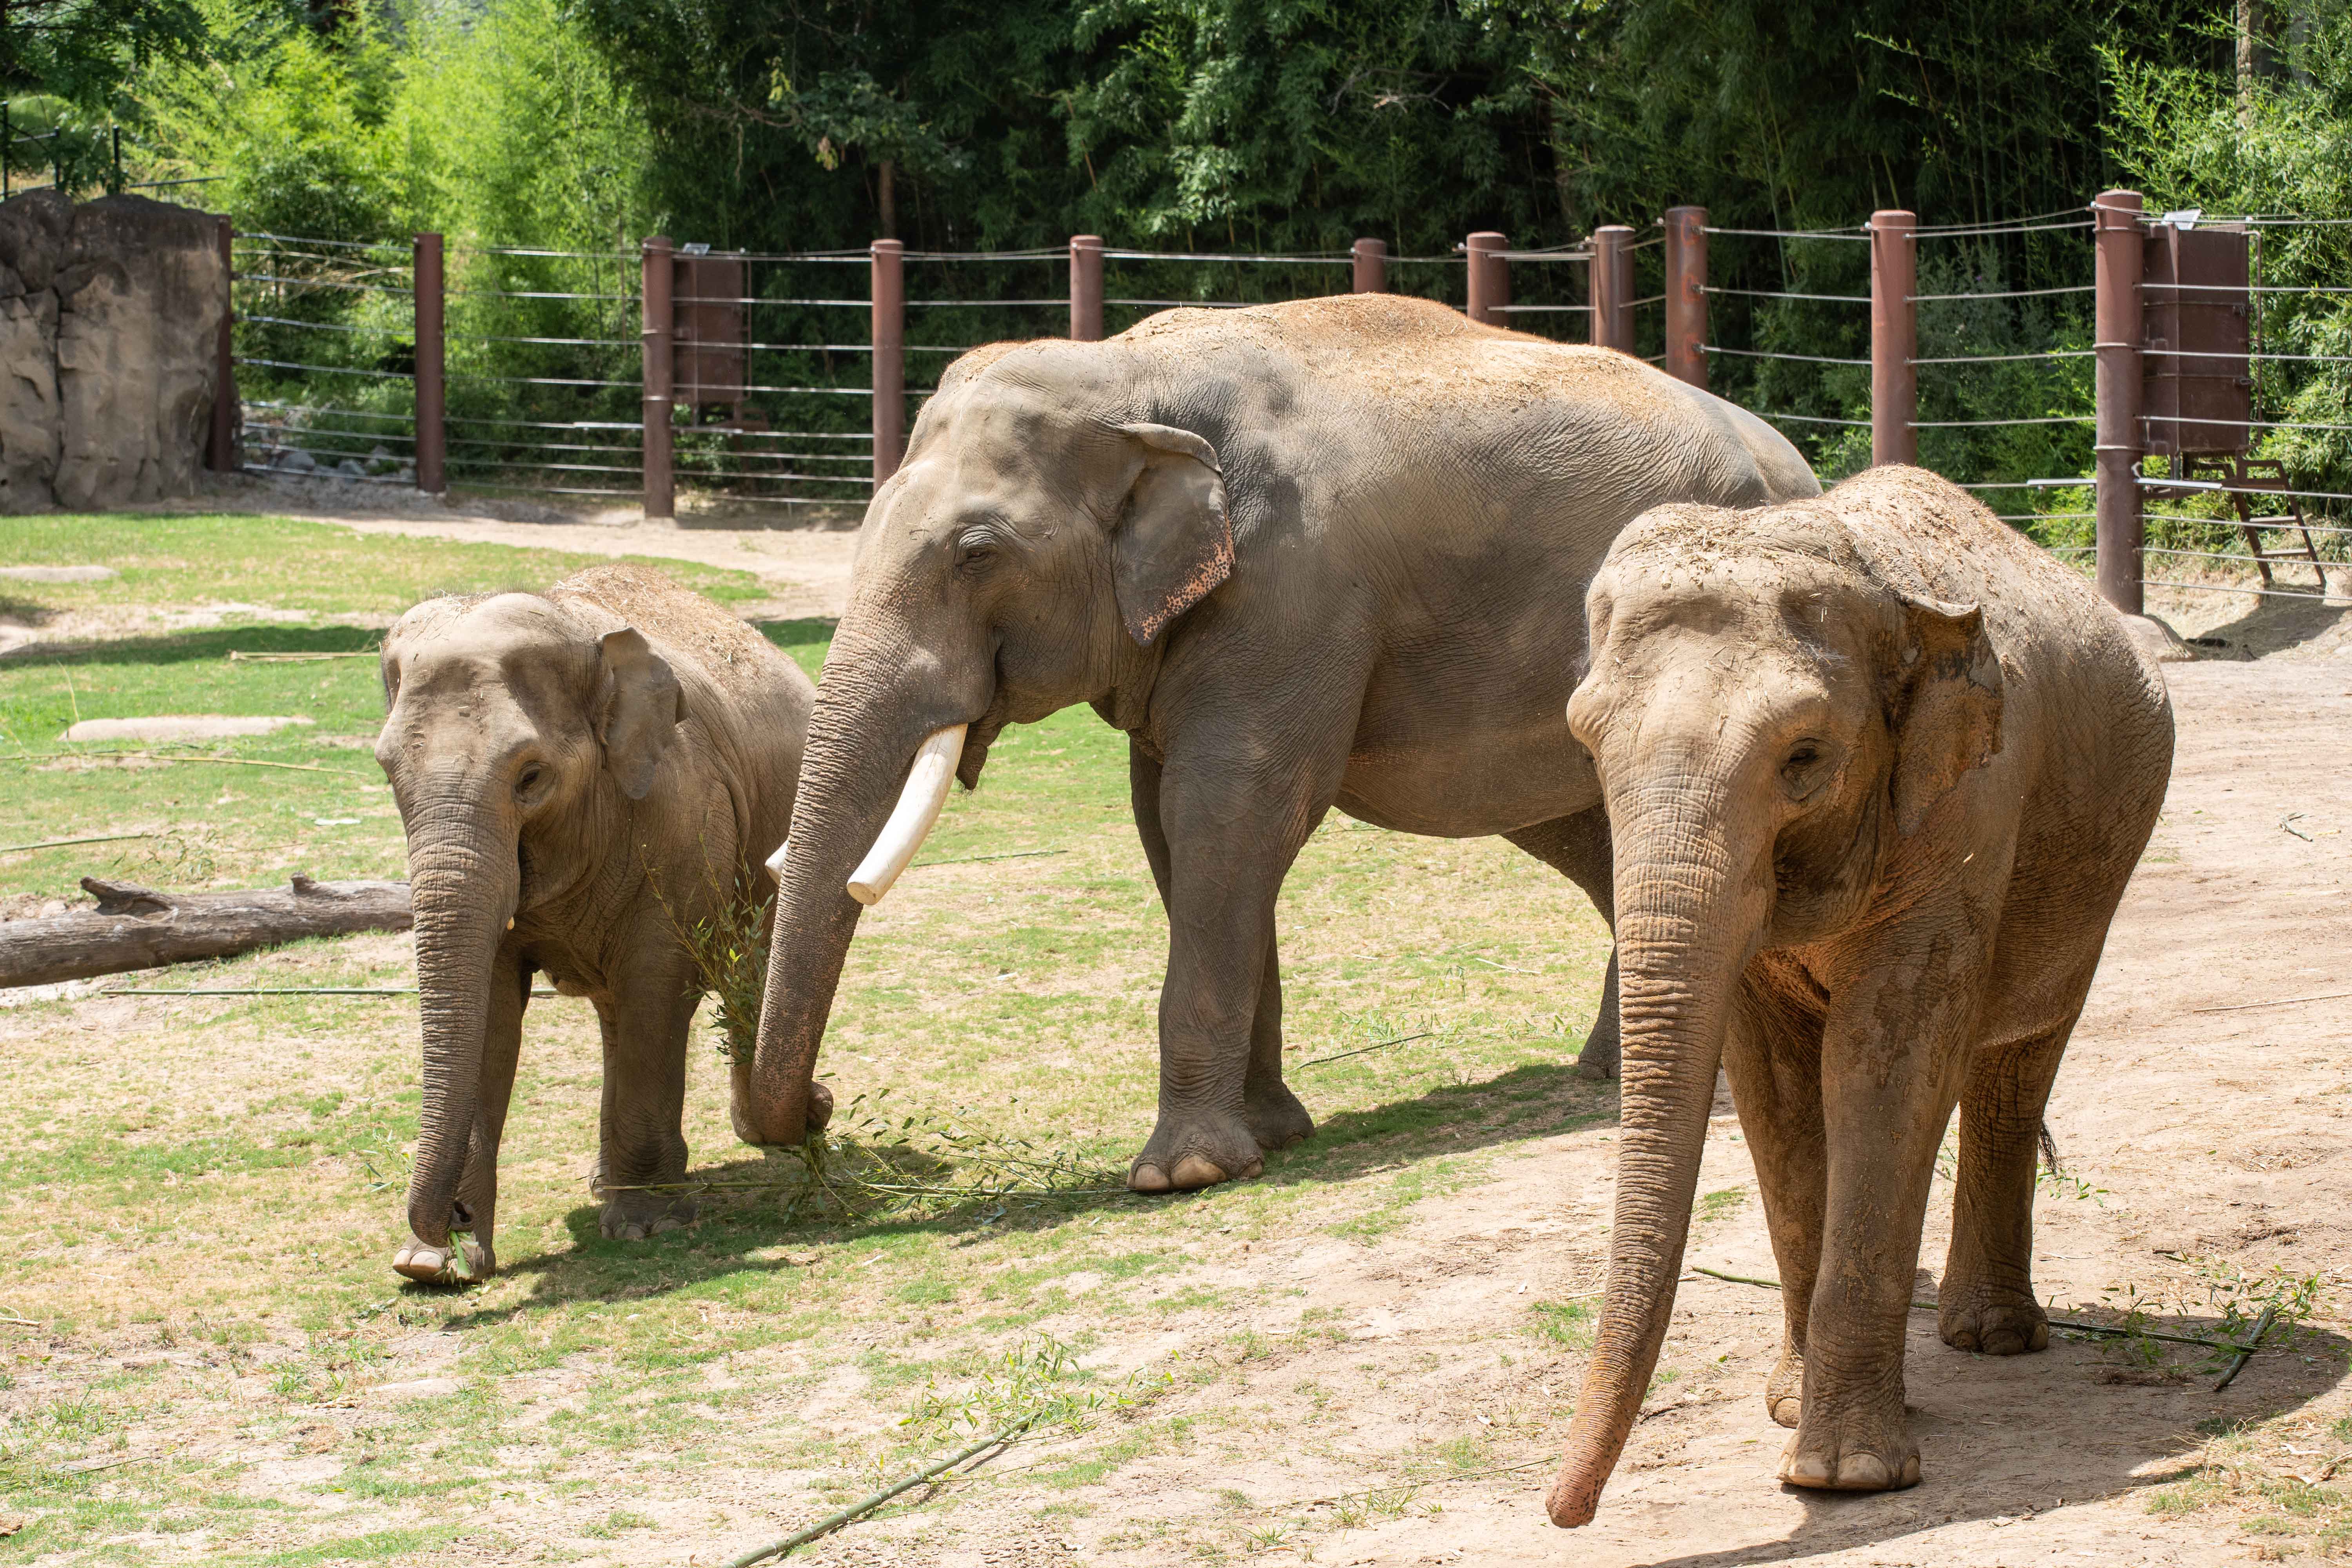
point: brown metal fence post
(1372, 271)
(1894, 337)
(890, 356)
(2116, 453)
(1086, 287)
(432, 406)
(220, 451)
(661, 486)
(1490, 278)
(1687, 294)
(1610, 288)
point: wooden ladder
(2245, 475)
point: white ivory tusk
(918, 807)
(776, 861)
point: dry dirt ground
(2203, 1116)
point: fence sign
(2197, 387)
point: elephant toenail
(1862, 1473)
(1193, 1172)
(1146, 1179)
(1788, 1412)
(1911, 1472)
(1804, 1469)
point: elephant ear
(639, 707)
(1952, 722)
(1172, 542)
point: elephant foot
(1855, 1451)
(1990, 1321)
(464, 1262)
(1189, 1153)
(1784, 1390)
(1276, 1117)
(634, 1216)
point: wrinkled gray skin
(552, 756)
(1305, 555)
(1878, 770)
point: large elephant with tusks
(1327, 553)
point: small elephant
(583, 775)
(1878, 771)
(1306, 555)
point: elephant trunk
(464, 883)
(1685, 930)
(864, 742)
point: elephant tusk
(775, 862)
(918, 807)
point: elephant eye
(529, 780)
(973, 552)
(1804, 762)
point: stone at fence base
(110, 313)
(2158, 641)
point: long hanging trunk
(463, 883)
(1686, 920)
(862, 736)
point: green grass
(211, 1188)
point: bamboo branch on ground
(859, 1510)
(2075, 1325)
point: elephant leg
(1772, 1055)
(1987, 1303)
(644, 1133)
(1234, 816)
(1578, 847)
(475, 1215)
(1893, 1055)
(1276, 1118)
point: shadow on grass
(803, 633)
(211, 643)
(1528, 1101)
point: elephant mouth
(977, 739)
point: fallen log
(141, 928)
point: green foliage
(82, 51)
(2188, 139)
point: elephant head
(1773, 722)
(514, 735)
(1044, 531)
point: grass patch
(1569, 1324)
(219, 1205)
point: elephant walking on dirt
(1877, 769)
(585, 776)
(1305, 555)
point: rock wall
(110, 313)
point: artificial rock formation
(110, 313)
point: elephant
(1305, 555)
(1877, 769)
(583, 775)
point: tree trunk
(2254, 56)
(140, 928)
